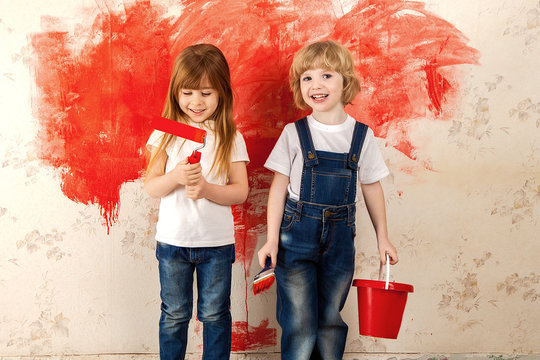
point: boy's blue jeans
(176, 268)
(314, 272)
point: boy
(311, 204)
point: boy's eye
(327, 76)
(306, 78)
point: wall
(450, 89)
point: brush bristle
(263, 280)
(265, 284)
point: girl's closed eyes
(190, 92)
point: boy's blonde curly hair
(328, 55)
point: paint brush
(184, 131)
(265, 278)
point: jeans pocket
(167, 252)
(160, 248)
(288, 221)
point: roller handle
(195, 157)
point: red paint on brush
(247, 337)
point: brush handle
(268, 263)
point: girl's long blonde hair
(192, 65)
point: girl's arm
(374, 198)
(274, 215)
(158, 184)
(235, 192)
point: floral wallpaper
(78, 276)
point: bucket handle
(387, 280)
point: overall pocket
(330, 187)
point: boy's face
(322, 89)
(199, 104)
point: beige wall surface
(463, 213)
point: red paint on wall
(247, 337)
(95, 91)
(405, 60)
(98, 84)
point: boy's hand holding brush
(265, 278)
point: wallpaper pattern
(78, 277)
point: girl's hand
(187, 174)
(385, 247)
(270, 249)
(197, 190)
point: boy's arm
(234, 192)
(274, 215)
(374, 198)
(158, 184)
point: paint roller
(184, 131)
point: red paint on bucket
(380, 311)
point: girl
(195, 230)
(311, 205)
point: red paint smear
(402, 50)
(93, 103)
(246, 337)
(99, 86)
(437, 86)
(91, 99)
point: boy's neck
(334, 117)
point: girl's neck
(334, 117)
(207, 124)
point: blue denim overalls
(316, 251)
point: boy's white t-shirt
(287, 159)
(195, 223)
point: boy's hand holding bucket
(381, 305)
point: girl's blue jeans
(176, 268)
(314, 272)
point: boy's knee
(176, 314)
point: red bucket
(380, 306)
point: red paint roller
(184, 131)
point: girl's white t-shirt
(195, 223)
(286, 157)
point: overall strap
(306, 143)
(359, 135)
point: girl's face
(199, 104)
(322, 89)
